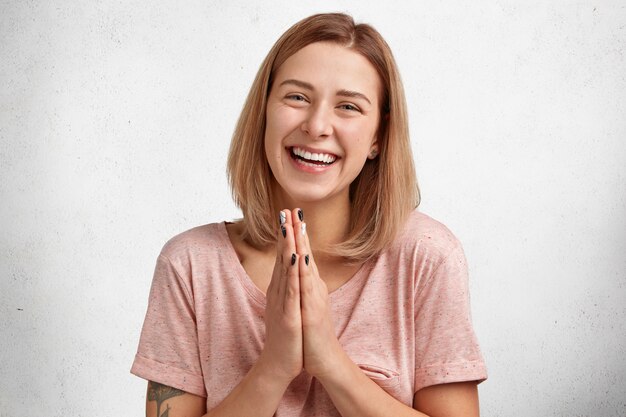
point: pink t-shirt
(403, 318)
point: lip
(311, 169)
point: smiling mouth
(309, 158)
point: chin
(311, 195)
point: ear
(373, 151)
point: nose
(318, 122)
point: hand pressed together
(283, 321)
(299, 330)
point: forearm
(257, 395)
(354, 394)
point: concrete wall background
(115, 119)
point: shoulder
(427, 253)
(201, 242)
(425, 234)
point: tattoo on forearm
(159, 393)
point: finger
(279, 270)
(291, 304)
(287, 244)
(303, 244)
(300, 233)
(306, 278)
(290, 288)
(285, 249)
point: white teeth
(322, 157)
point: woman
(333, 295)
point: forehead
(333, 66)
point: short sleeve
(168, 347)
(446, 346)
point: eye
(349, 107)
(296, 97)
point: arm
(257, 394)
(260, 391)
(448, 400)
(355, 394)
(162, 400)
(352, 392)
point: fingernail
(300, 214)
(282, 229)
(303, 228)
(282, 218)
(306, 260)
(293, 258)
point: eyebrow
(298, 83)
(353, 94)
(342, 93)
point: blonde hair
(386, 190)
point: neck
(327, 221)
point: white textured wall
(115, 119)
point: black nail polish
(300, 215)
(306, 260)
(293, 258)
(282, 229)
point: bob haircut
(383, 194)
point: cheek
(272, 151)
(282, 119)
(270, 143)
(361, 135)
(273, 134)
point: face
(321, 121)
